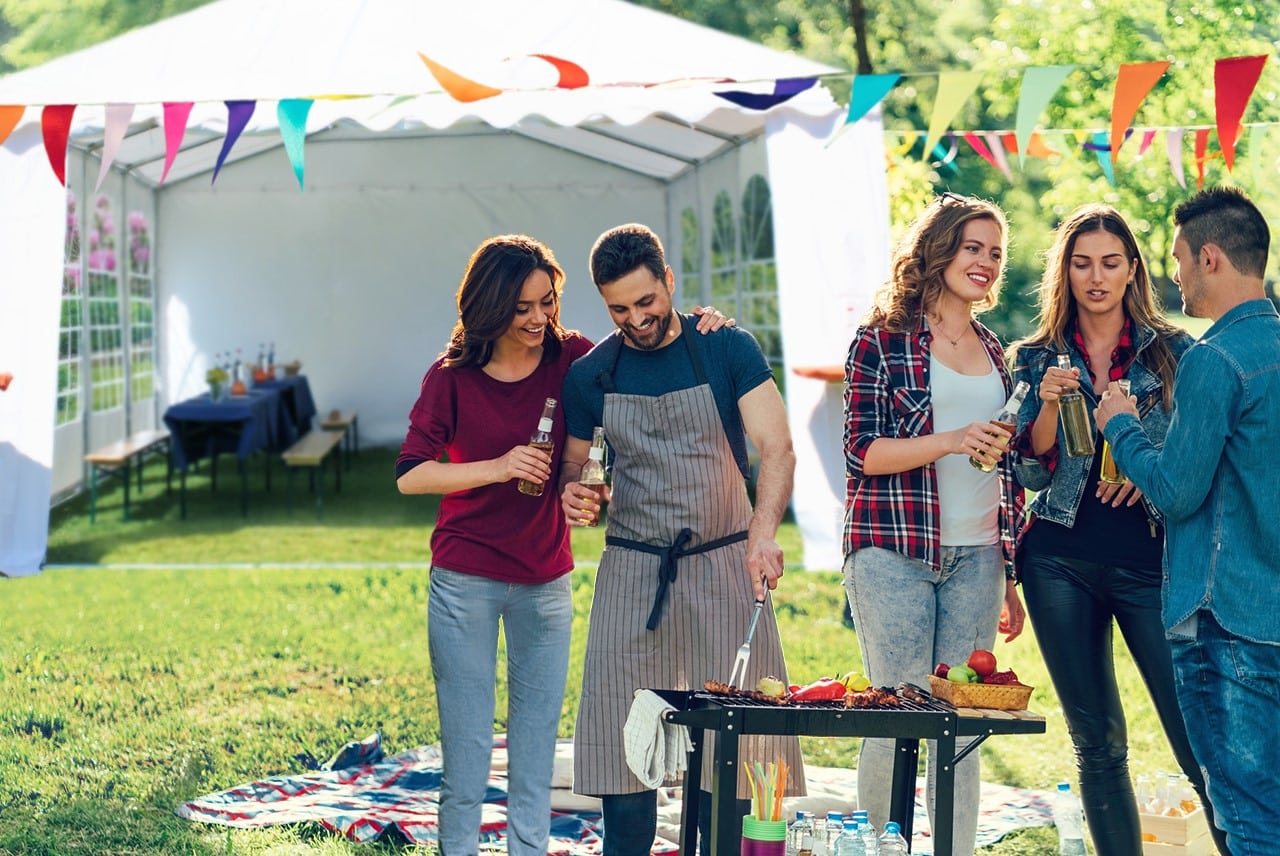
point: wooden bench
(311, 451)
(348, 422)
(123, 456)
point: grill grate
(747, 703)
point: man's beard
(654, 336)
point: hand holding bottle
(1057, 383)
(581, 502)
(526, 463)
(984, 442)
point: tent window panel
(724, 293)
(757, 219)
(690, 261)
(142, 303)
(71, 322)
(106, 326)
(724, 256)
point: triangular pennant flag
(10, 116)
(292, 115)
(113, 131)
(868, 91)
(954, 88)
(1173, 144)
(1100, 147)
(238, 115)
(55, 127)
(176, 114)
(988, 155)
(1148, 137)
(1036, 148)
(947, 157)
(1038, 86)
(1202, 146)
(572, 75)
(461, 88)
(997, 152)
(1133, 84)
(783, 89)
(1233, 82)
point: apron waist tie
(670, 556)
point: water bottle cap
(834, 815)
(1064, 786)
(861, 814)
(851, 824)
(891, 827)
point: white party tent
(354, 271)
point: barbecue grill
(908, 723)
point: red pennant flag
(1233, 81)
(1132, 86)
(572, 75)
(55, 127)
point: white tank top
(969, 499)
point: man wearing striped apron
(686, 556)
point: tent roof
(649, 107)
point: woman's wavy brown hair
(921, 257)
(489, 293)
(1141, 303)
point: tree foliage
(41, 30)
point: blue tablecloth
(243, 424)
(297, 405)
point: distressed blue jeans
(463, 613)
(908, 618)
(1229, 691)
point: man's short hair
(1226, 218)
(622, 249)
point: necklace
(936, 324)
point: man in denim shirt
(1216, 482)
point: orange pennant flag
(572, 75)
(461, 88)
(1233, 82)
(1202, 156)
(1132, 86)
(10, 116)
(1036, 146)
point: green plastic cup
(763, 837)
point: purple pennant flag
(238, 115)
(783, 90)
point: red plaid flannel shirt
(887, 395)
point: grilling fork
(739, 672)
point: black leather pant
(631, 822)
(1071, 604)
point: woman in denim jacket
(1092, 551)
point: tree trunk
(858, 18)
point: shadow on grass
(367, 521)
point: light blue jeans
(463, 612)
(909, 618)
(1229, 690)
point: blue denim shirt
(1215, 478)
(1061, 490)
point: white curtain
(831, 242)
(31, 244)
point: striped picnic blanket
(364, 796)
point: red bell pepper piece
(823, 689)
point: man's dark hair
(622, 249)
(1225, 217)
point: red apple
(983, 662)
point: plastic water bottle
(1069, 818)
(868, 831)
(835, 826)
(795, 831)
(850, 841)
(891, 843)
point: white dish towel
(657, 750)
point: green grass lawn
(160, 660)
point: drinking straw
(780, 787)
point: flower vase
(216, 391)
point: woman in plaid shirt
(928, 538)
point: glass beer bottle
(541, 439)
(1073, 410)
(1108, 471)
(593, 470)
(1007, 418)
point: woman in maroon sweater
(497, 554)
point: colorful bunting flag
(954, 88)
(10, 116)
(113, 131)
(1100, 147)
(55, 127)
(176, 114)
(1173, 144)
(947, 157)
(1148, 137)
(1133, 84)
(238, 115)
(989, 153)
(460, 88)
(1233, 82)
(572, 75)
(868, 91)
(1039, 84)
(1036, 146)
(292, 116)
(1202, 147)
(784, 89)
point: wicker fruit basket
(990, 696)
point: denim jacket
(1061, 490)
(1215, 477)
